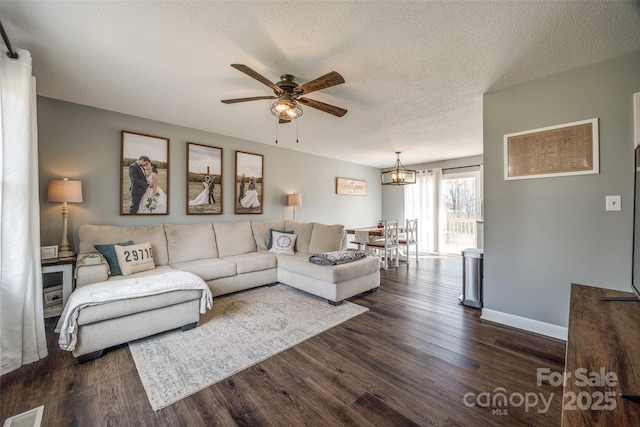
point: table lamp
(65, 191)
(294, 200)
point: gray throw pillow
(109, 253)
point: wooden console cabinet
(603, 359)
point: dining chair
(410, 238)
(387, 244)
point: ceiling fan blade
(249, 72)
(255, 98)
(323, 82)
(331, 109)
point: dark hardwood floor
(410, 360)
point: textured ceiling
(415, 71)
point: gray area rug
(239, 331)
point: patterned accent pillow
(283, 243)
(135, 258)
(271, 231)
(109, 253)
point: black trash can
(472, 277)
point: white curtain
(424, 202)
(22, 333)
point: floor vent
(31, 418)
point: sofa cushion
(135, 258)
(90, 235)
(254, 261)
(109, 253)
(190, 242)
(158, 270)
(234, 238)
(300, 264)
(283, 243)
(208, 269)
(261, 232)
(326, 238)
(114, 309)
(303, 231)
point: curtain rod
(462, 167)
(457, 167)
(10, 53)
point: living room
(541, 234)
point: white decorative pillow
(135, 258)
(283, 243)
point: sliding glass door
(461, 203)
(447, 204)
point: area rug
(239, 331)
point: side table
(57, 284)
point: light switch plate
(613, 203)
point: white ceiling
(415, 71)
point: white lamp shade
(63, 190)
(294, 199)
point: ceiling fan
(288, 91)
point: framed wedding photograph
(204, 179)
(249, 183)
(144, 174)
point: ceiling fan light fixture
(286, 108)
(398, 174)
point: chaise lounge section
(228, 257)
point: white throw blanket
(105, 292)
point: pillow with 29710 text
(135, 258)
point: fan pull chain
(297, 121)
(276, 130)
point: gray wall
(83, 143)
(543, 234)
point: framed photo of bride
(249, 183)
(204, 179)
(144, 174)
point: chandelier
(286, 108)
(398, 174)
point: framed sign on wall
(349, 186)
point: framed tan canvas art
(567, 149)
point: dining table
(366, 234)
(372, 231)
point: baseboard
(542, 328)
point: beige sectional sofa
(229, 257)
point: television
(635, 270)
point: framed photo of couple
(144, 174)
(204, 179)
(249, 187)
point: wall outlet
(613, 203)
